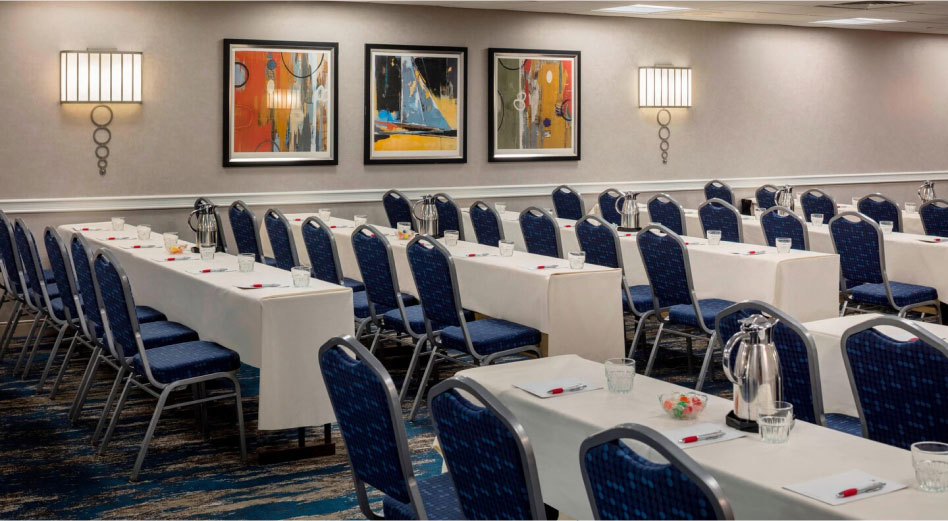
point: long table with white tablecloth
(277, 330)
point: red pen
(297, 219)
(111, 238)
(137, 246)
(332, 226)
(570, 389)
(568, 226)
(701, 437)
(170, 259)
(85, 229)
(258, 285)
(752, 252)
(849, 492)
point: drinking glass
(501, 207)
(886, 226)
(404, 231)
(910, 207)
(577, 259)
(714, 237)
(816, 219)
(207, 251)
(360, 220)
(301, 275)
(506, 248)
(325, 214)
(451, 237)
(783, 244)
(757, 212)
(774, 422)
(118, 223)
(144, 232)
(245, 262)
(619, 375)
(171, 240)
(930, 459)
(856, 202)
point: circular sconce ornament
(101, 117)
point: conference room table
(277, 330)
(803, 284)
(579, 311)
(752, 474)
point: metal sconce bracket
(663, 144)
(101, 136)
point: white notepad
(825, 489)
(702, 428)
(541, 389)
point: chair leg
(52, 356)
(202, 392)
(240, 419)
(423, 383)
(108, 405)
(26, 342)
(87, 378)
(62, 370)
(148, 434)
(842, 312)
(411, 367)
(651, 357)
(708, 354)
(639, 331)
(361, 328)
(375, 338)
(115, 417)
(36, 344)
(10, 329)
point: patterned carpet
(51, 471)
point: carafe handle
(726, 357)
(193, 228)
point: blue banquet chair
(881, 208)
(817, 201)
(397, 208)
(568, 203)
(718, 190)
(243, 224)
(449, 215)
(365, 402)
(607, 205)
(221, 240)
(381, 293)
(541, 232)
(14, 284)
(780, 221)
(766, 196)
(934, 215)
(664, 210)
(716, 214)
(622, 484)
(281, 239)
(323, 255)
(488, 228)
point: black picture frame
(228, 67)
(575, 101)
(368, 117)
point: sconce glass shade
(100, 77)
(665, 87)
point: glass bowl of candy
(683, 406)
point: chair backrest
(221, 240)
(86, 284)
(667, 266)
(281, 239)
(857, 240)
(25, 247)
(934, 215)
(398, 208)
(780, 221)
(243, 223)
(449, 215)
(321, 248)
(880, 208)
(369, 415)
(817, 201)
(796, 351)
(115, 294)
(718, 190)
(897, 384)
(568, 203)
(377, 264)
(665, 210)
(607, 205)
(488, 228)
(487, 452)
(541, 232)
(766, 196)
(621, 484)
(61, 265)
(12, 268)
(600, 242)
(433, 270)
(716, 214)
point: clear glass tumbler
(620, 372)
(301, 276)
(207, 251)
(506, 248)
(325, 214)
(910, 207)
(886, 226)
(118, 223)
(783, 244)
(171, 241)
(930, 459)
(501, 207)
(577, 259)
(816, 219)
(451, 237)
(360, 220)
(775, 422)
(245, 262)
(714, 237)
(144, 232)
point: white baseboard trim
(165, 202)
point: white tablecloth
(579, 310)
(750, 472)
(837, 393)
(277, 330)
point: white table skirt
(580, 311)
(750, 472)
(827, 334)
(277, 330)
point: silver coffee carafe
(628, 210)
(926, 192)
(203, 220)
(755, 372)
(784, 197)
(428, 220)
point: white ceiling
(919, 17)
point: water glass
(501, 207)
(714, 237)
(620, 372)
(118, 223)
(451, 237)
(506, 248)
(910, 207)
(930, 459)
(774, 422)
(577, 259)
(144, 232)
(886, 226)
(207, 251)
(171, 241)
(404, 231)
(301, 276)
(856, 202)
(245, 262)
(783, 244)
(758, 211)
(325, 214)
(360, 220)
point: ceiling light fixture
(858, 21)
(642, 9)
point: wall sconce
(664, 88)
(100, 76)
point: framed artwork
(415, 104)
(533, 113)
(280, 103)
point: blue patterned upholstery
(244, 225)
(685, 313)
(540, 233)
(842, 423)
(641, 299)
(628, 486)
(903, 294)
(934, 219)
(666, 213)
(449, 215)
(353, 284)
(54, 252)
(607, 207)
(776, 226)
(435, 286)
(813, 203)
(857, 243)
(766, 198)
(487, 226)
(718, 191)
(490, 335)
(360, 304)
(599, 243)
(879, 211)
(9, 254)
(180, 361)
(438, 495)
(397, 209)
(321, 247)
(665, 265)
(162, 333)
(29, 268)
(483, 458)
(281, 240)
(568, 203)
(375, 263)
(716, 216)
(900, 388)
(416, 320)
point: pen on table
(213, 270)
(701, 437)
(570, 389)
(266, 285)
(849, 492)
(547, 266)
(478, 254)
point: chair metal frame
(728, 206)
(667, 200)
(399, 195)
(446, 199)
(874, 197)
(289, 232)
(816, 192)
(938, 203)
(790, 214)
(571, 191)
(611, 192)
(719, 183)
(501, 412)
(482, 206)
(149, 384)
(242, 207)
(662, 445)
(21, 304)
(556, 228)
(221, 240)
(767, 187)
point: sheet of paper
(540, 389)
(702, 428)
(825, 489)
